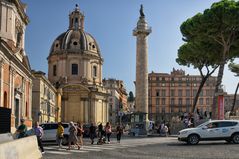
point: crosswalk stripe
(88, 148)
(57, 152)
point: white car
(50, 132)
(212, 130)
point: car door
(45, 128)
(227, 128)
(212, 130)
(52, 131)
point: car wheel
(65, 140)
(235, 138)
(193, 139)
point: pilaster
(2, 62)
(12, 72)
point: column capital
(12, 71)
(2, 62)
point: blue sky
(111, 23)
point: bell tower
(76, 19)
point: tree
(235, 69)
(219, 26)
(201, 56)
(131, 97)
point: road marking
(98, 148)
(57, 152)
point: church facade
(75, 66)
(15, 71)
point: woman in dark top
(92, 133)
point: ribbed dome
(75, 41)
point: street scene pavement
(146, 148)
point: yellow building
(75, 66)
(117, 99)
(46, 101)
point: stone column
(86, 116)
(141, 32)
(11, 89)
(23, 90)
(1, 80)
(30, 101)
(82, 102)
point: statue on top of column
(141, 11)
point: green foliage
(199, 54)
(234, 68)
(131, 97)
(219, 26)
(211, 40)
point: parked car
(212, 130)
(50, 132)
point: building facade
(174, 94)
(75, 66)
(15, 72)
(228, 101)
(46, 99)
(117, 100)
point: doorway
(17, 119)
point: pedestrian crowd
(75, 137)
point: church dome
(75, 39)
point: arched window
(74, 69)
(94, 71)
(5, 99)
(54, 70)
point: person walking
(92, 133)
(73, 136)
(59, 134)
(119, 132)
(38, 131)
(166, 130)
(100, 131)
(80, 132)
(22, 129)
(108, 131)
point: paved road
(147, 148)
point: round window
(75, 43)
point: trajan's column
(141, 32)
